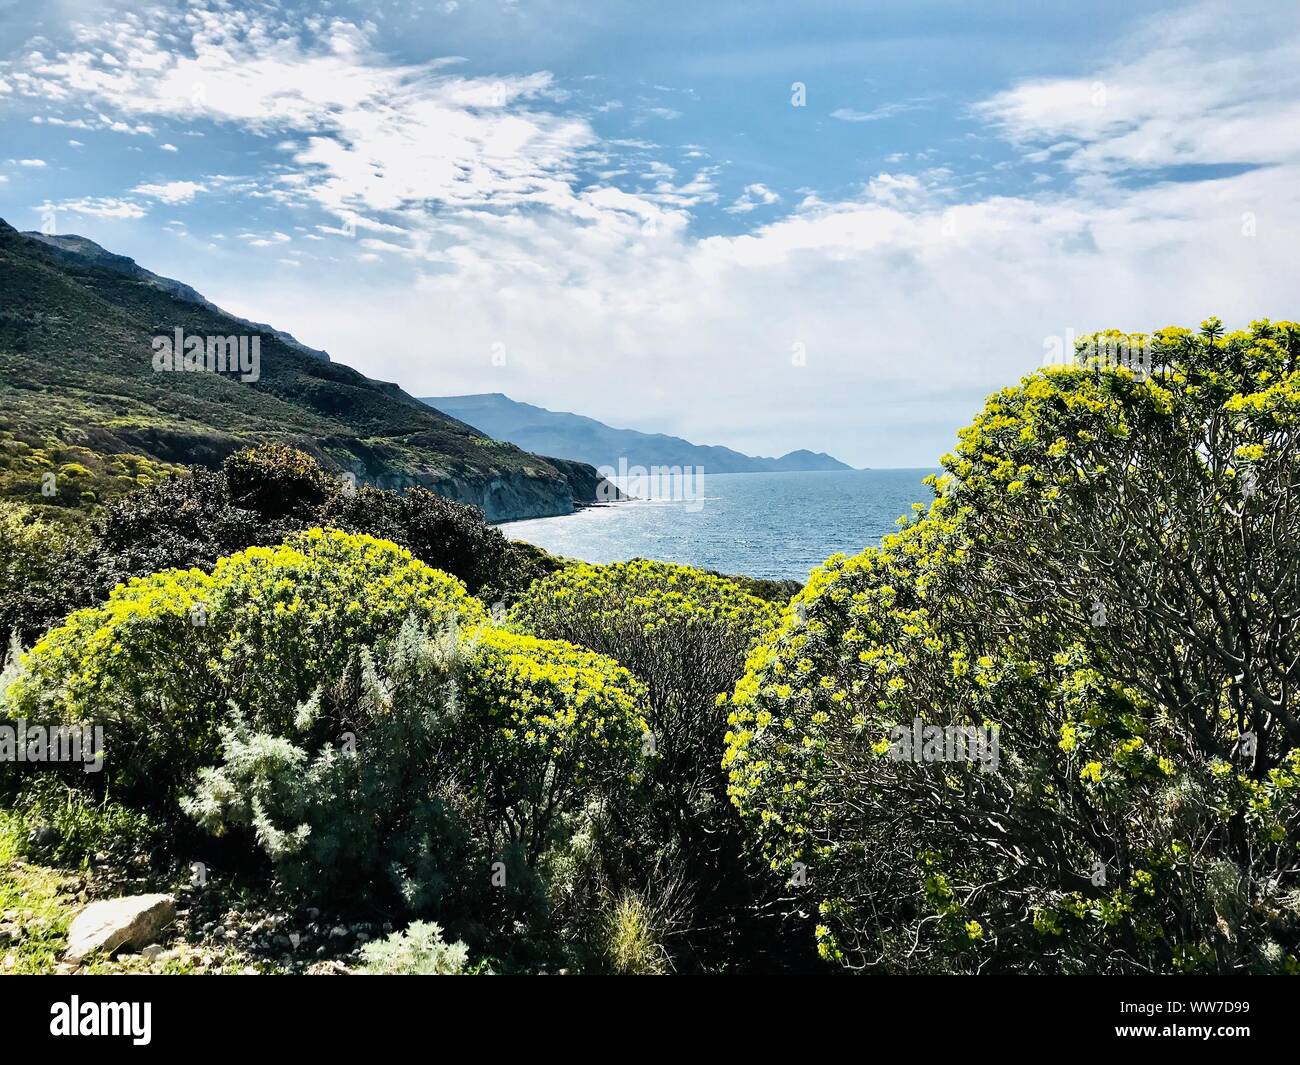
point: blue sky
(769, 225)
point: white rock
(112, 924)
(151, 951)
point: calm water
(760, 524)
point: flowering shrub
(160, 663)
(685, 634)
(445, 777)
(1100, 579)
(139, 666)
(546, 725)
(298, 611)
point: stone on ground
(114, 924)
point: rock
(43, 836)
(328, 968)
(10, 933)
(112, 924)
(294, 940)
(152, 951)
(338, 931)
(9, 962)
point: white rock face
(112, 924)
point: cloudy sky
(771, 225)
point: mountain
(80, 251)
(587, 440)
(80, 397)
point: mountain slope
(82, 252)
(79, 397)
(587, 440)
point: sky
(825, 225)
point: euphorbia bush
(445, 775)
(160, 664)
(685, 634)
(258, 497)
(1108, 574)
(547, 725)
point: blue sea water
(758, 524)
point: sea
(778, 525)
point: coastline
(776, 526)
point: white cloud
(171, 192)
(910, 298)
(98, 207)
(265, 240)
(876, 114)
(375, 135)
(756, 195)
(1211, 84)
(34, 164)
(168, 148)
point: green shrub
(443, 776)
(160, 664)
(524, 563)
(685, 634)
(278, 481)
(775, 590)
(66, 825)
(355, 797)
(418, 951)
(630, 942)
(37, 571)
(1093, 580)
(447, 535)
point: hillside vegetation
(1049, 726)
(79, 399)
